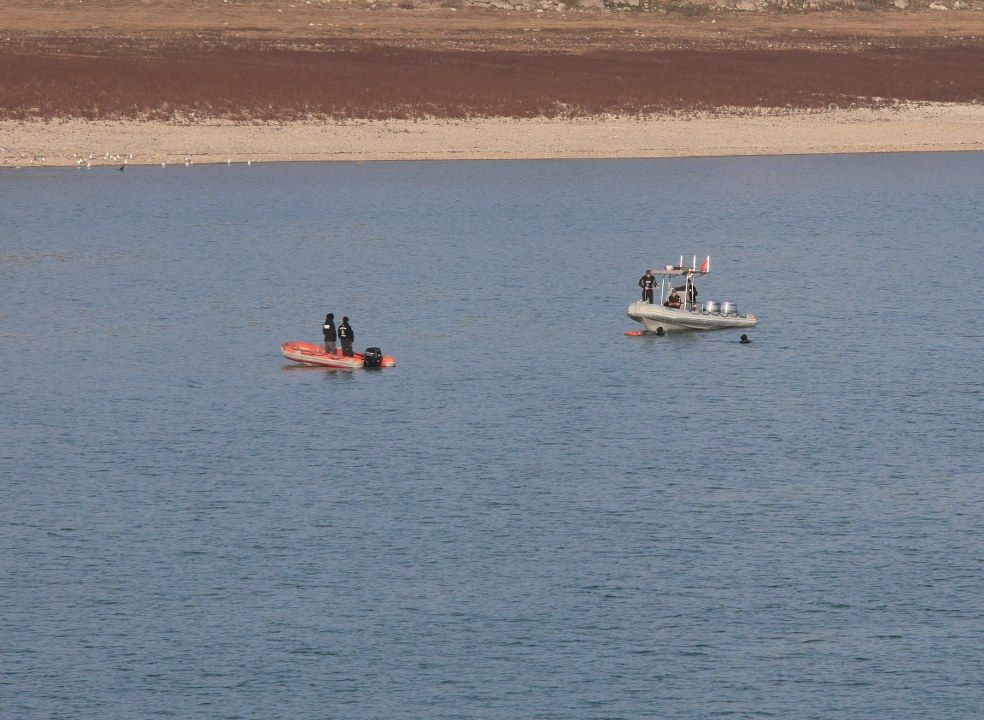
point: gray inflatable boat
(677, 308)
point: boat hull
(314, 354)
(661, 319)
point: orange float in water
(635, 333)
(314, 354)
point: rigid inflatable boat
(659, 319)
(314, 354)
(678, 309)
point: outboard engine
(372, 358)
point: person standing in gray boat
(647, 282)
(330, 335)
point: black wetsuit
(330, 337)
(347, 337)
(646, 282)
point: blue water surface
(532, 515)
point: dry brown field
(178, 59)
(333, 21)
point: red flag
(705, 267)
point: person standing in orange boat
(346, 336)
(329, 332)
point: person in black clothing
(744, 340)
(646, 282)
(346, 336)
(692, 293)
(329, 331)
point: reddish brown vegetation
(386, 82)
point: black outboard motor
(372, 358)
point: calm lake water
(532, 516)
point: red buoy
(635, 333)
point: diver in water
(346, 336)
(744, 340)
(329, 332)
(646, 282)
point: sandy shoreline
(915, 128)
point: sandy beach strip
(929, 127)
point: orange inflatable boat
(314, 354)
